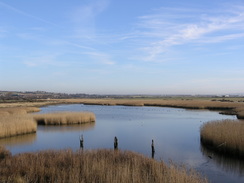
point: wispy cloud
(9, 7)
(41, 59)
(85, 13)
(163, 30)
(84, 18)
(101, 58)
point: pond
(175, 133)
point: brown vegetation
(224, 136)
(91, 166)
(231, 106)
(16, 124)
(15, 120)
(17, 110)
(64, 118)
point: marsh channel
(175, 131)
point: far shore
(232, 106)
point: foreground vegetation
(224, 136)
(64, 118)
(90, 166)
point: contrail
(26, 14)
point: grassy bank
(64, 118)
(16, 124)
(90, 166)
(4, 111)
(231, 106)
(224, 136)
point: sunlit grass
(91, 166)
(225, 136)
(16, 124)
(17, 110)
(230, 106)
(64, 118)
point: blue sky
(122, 47)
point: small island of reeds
(224, 136)
(90, 166)
(64, 118)
(17, 120)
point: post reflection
(66, 128)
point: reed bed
(232, 107)
(17, 110)
(92, 166)
(224, 136)
(16, 124)
(65, 118)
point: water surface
(175, 133)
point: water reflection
(66, 128)
(18, 140)
(227, 163)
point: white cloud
(163, 30)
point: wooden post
(153, 149)
(115, 143)
(81, 141)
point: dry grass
(64, 118)
(240, 113)
(15, 121)
(16, 124)
(225, 136)
(17, 110)
(91, 166)
(40, 103)
(229, 106)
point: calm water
(175, 133)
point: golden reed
(91, 166)
(65, 118)
(225, 136)
(16, 124)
